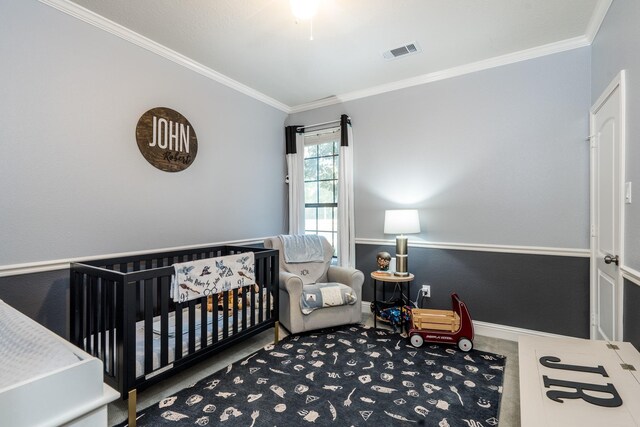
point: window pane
(311, 151)
(311, 192)
(327, 220)
(311, 169)
(336, 167)
(325, 168)
(310, 215)
(327, 193)
(325, 149)
(331, 237)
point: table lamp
(401, 221)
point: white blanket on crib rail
(204, 277)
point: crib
(122, 314)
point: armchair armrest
(348, 276)
(290, 283)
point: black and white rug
(349, 376)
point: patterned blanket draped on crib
(204, 277)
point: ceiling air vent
(398, 52)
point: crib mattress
(156, 342)
(140, 348)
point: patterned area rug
(349, 376)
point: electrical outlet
(426, 291)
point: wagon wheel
(465, 344)
(416, 340)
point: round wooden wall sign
(166, 139)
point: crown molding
(105, 24)
(124, 33)
(530, 250)
(498, 61)
(597, 18)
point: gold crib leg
(277, 333)
(132, 407)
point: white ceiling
(257, 46)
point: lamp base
(401, 259)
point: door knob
(611, 259)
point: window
(321, 190)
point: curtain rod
(302, 128)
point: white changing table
(45, 380)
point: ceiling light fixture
(305, 10)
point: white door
(607, 154)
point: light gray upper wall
(493, 157)
(73, 180)
(615, 48)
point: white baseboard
(509, 333)
(492, 330)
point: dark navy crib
(122, 313)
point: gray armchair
(294, 276)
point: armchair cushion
(326, 295)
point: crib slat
(110, 325)
(266, 294)
(164, 320)
(203, 322)
(103, 319)
(262, 284)
(86, 345)
(82, 329)
(95, 308)
(192, 326)
(139, 295)
(274, 281)
(128, 345)
(214, 323)
(178, 332)
(234, 295)
(245, 303)
(148, 325)
(88, 314)
(268, 275)
(120, 370)
(225, 314)
(253, 303)
(73, 306)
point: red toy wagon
(450, 326)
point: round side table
(384, 277)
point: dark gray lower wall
(538, 292)
(632, 313)
(44, 297)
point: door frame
(619, 82)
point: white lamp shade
(401, 221)
(304, 9)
